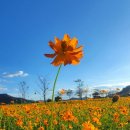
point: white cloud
(113, 85)
(2, 88)
(16, 74)
(13, 94)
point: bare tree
(85, 91)
(79, 91)
(69, 93)
(23, 87)
(43, 86)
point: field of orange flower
(91, 114)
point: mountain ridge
(5, 98)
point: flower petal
(75, 53)
(75, 61)
(50, 55)
(57, 40)
(52, 45)
(67, 59)
(78, 49)
(70, 59)
(58, 60)
(79, 55)
(66, 38)
(57, 44)
(73, 43)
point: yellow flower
(65, 51)
(122, 124)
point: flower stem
(54, 86)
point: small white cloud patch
(16, 74)
(2, 88)
(114, 85)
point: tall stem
(55, 82)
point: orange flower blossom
(65, 51)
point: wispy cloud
(113, 85)
(16, 74)
(2, 80)
(2, 88)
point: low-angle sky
(101, 27)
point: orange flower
(45, 122)
(19, 122)
(55, 122)
(41, 128)
(62, 91)
(96, 120)
(70, 126)
(124, 110)
(65, 51)
(88, 126)
(116, 117)
(68, 116)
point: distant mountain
(78, 98)
(5, 98)
(125, 91)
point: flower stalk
(54, 85)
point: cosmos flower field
(90, 114)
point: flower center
(63, 46)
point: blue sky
(102, 27)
